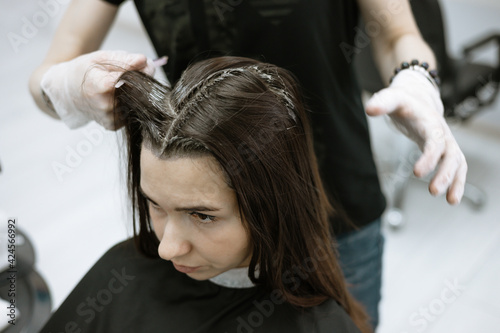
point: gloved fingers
(386, 101)
(150, 68)
(135, 61)
(456, 190)
(99, 85)
(107, 82)
(102, 109)
(149, 65)
(142, 63)
(109, 121)
(103, 78)
(121, 60)
(443, 178)
(452, 161)
(433, 137)
(428, 161)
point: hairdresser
(317, 41)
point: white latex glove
(415, 106)
(82, 89)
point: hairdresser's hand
(82, 89)
(414, 105)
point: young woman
(231, 223)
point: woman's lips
(185, 269)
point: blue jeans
(360, 254)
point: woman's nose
(174, 243)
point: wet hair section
(143, 103)
(169, 119)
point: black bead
(425, 65)
(397, 70)
(414, 62)
(433, 73)
(405, 65)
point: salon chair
(33, 301)
(467, 86)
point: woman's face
(194, 214)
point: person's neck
(234, 278)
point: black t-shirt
(126, 292)
(308, 37)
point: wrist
(422, 68)
(56, 92)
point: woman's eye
(203, 218)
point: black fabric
(126, 292)
(312, 39)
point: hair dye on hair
(250, 117)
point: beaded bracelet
(431, 75)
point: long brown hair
(250, 117)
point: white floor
(442, 268)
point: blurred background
(66, 191)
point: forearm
(398, 38)
(82, 30)
(389, 56)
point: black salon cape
(126, 292)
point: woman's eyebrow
(146, 196)
(191, 208)
(197, 208)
